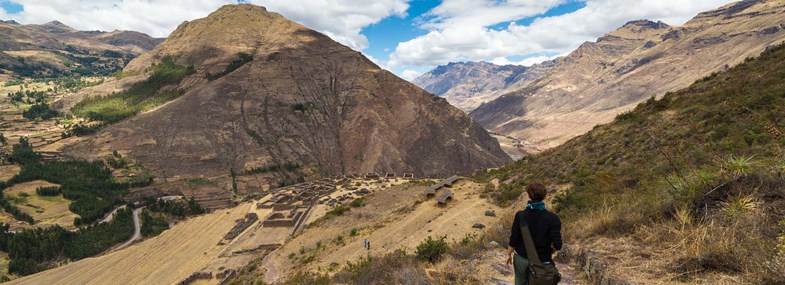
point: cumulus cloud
(451, 36)
(529, 61)
(410, 74)
(340, 19)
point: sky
(407, 37)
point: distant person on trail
(365, 243)
(545, 229)
(369, 245)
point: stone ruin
(371, 176)
(292, 204)
(408, 176)
(195, 276)
(241, 225)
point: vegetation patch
(234, 65)
(33, 250)
(697, 174)
(140, 97)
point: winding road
(137, 231)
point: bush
(338, 211)
(432, 250)
(48, 191)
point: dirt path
(137, 231)
(109, 217)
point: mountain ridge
(601, 79)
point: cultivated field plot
(8, 171)
(165, 259)
(45, 210)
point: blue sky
(408, 37)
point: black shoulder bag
(539, 273)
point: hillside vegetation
(140, 97)
(695, 177)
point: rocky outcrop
(303, 98)
(642, 59)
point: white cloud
(340, 19)
(560, 34)
(529, 61)
(410, 74)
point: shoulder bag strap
(528, 243)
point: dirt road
(137, 231)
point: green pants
(521, 266)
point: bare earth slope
(642, 59)
(467, 85)
(303, 98)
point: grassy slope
(707, 159)
(140, 97)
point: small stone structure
(241, 225)
(408, 176)
(371, 176)
(195, 276)
(444, 183)
(389, 176)
(446, 195)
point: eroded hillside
(267, 91)
(641, 59)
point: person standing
(545, 228)
(365, 243)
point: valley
(247, 148)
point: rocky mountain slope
(469, 84)
(267, 91)
(642, 59)
(54, 49)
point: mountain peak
(57, 27)
(646, 24)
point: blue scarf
(536, 205)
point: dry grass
(45, 210)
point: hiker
(545, 231)
(365, 243)
(369, 245)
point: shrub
(432, 249)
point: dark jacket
(545, 228)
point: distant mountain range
(467, 85)
(602, 79)
(265, 91)
(54, 49)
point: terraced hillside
(265, 91)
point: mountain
(260, 90)
(702, 166)
(601, 79)
(55, 49)
(466, 85)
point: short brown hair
(536, 191)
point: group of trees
(31, 249)
(40, 110)
(175, 208)
(88, 184)
(33, 97)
